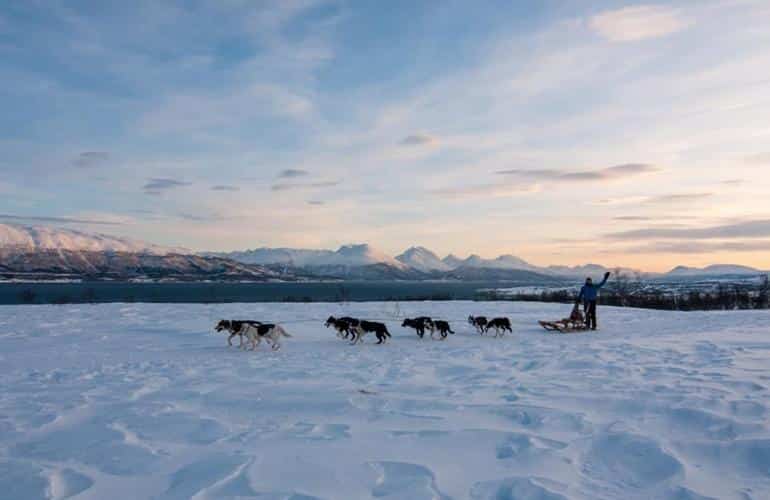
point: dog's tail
(450, 331)
(283, 332)
(387, 332)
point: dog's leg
(230, 339)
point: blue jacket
(591, 292)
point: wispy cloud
(640, 22)
(158, 186)
(747, 229)
(605, 174)
(57, 220)
(91, 159)
(645, 218)
(669, 199)
(758, 159)
(291, 173)
(224, 187)
(303, 185)
(665, 199)
(501, 190)
(700, 247)
(419, 139)
(316, 202)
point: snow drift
(145, 401)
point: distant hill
(24, 239)
(125, 265)
(713, 270)
(40, 252)
(422, 259)
(32, 251)
(346, 255)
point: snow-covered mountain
(345, 256)
(713, 270)
(30, 249)
(43, 252)
(502, 262)
(452, 261)
(424, 260)
(15, 238)
(416, 258)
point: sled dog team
(251, 333)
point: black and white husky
(271, 333)
(500, 325)
(234, 327)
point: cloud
(91, 159)
(59, 220)
(605, 174)
(667, 199)
(156, 186)
(291, 173)
(223, 187)
(758, 159)
(747, 229)
(185, 113)
(643, 218)
(419, 140)
(484, 191)
(632, 218)
(698, 247)
(316, 202)
(303, 185)
(635, 23)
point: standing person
(589, 293)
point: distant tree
(763, 295)
(621, 286)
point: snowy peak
(422, 259)
(452, 261)
(502, 262)
(353, 255)
(360, 255)
(16, 238)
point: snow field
(146, 401)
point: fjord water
(202, 292)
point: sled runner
(575, 323)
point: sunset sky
(563, 132)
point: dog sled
(575, 323)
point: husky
(500, 325)
(234, 327)
(364, 327)
(271, 333)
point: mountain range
(39, 250)
(36, 252)
(415, 260)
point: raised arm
(606, 277)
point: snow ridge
(23, 239)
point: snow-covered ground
(145, 401)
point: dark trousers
(590, 311)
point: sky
(564, 132)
